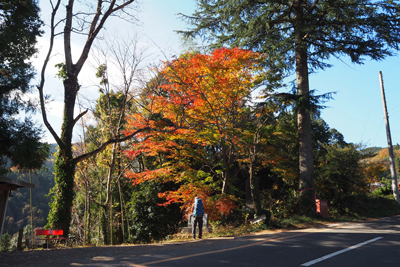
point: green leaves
(19, 27)
(102, 74)
(62, 71)
(355, 28)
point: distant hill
(371, 150)
(18, 206)
(381, 154)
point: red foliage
(202, 101)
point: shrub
(5, 242)
(150, 221)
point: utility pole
(390, 146)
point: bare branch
(109, 142)
(42, 75)
(119, 140)
(80, 116)
(96, 26)
(67, 36)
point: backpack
(198, 207)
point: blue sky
(357, 108)
(356, 111)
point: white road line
(332, 225)
(337, 224)
(339, 252)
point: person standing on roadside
(198, 212)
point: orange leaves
(373, 172)
(147, 175)
(210, 87)
(215, 206)
(203, 100)
(383, 153)
(225, 204)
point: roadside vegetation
(220, 122)
(145, 227)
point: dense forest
(139, 212)
(219, 122)
(204, 137)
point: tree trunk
(119, 230)
(254, 184)
(104, 225)
(226, 174)
(225, 182)
(100, 213)
(111, 222)
(306, 167)
(255, 191)
(60, 214)
(31, 205)
(122, 240)
(89, 215)
(109, 190)
(85, 225)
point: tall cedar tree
(19, 26)
(301, 35)
(63, 194)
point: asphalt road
(370, 243)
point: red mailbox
(322, 208)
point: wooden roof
(11, 184)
